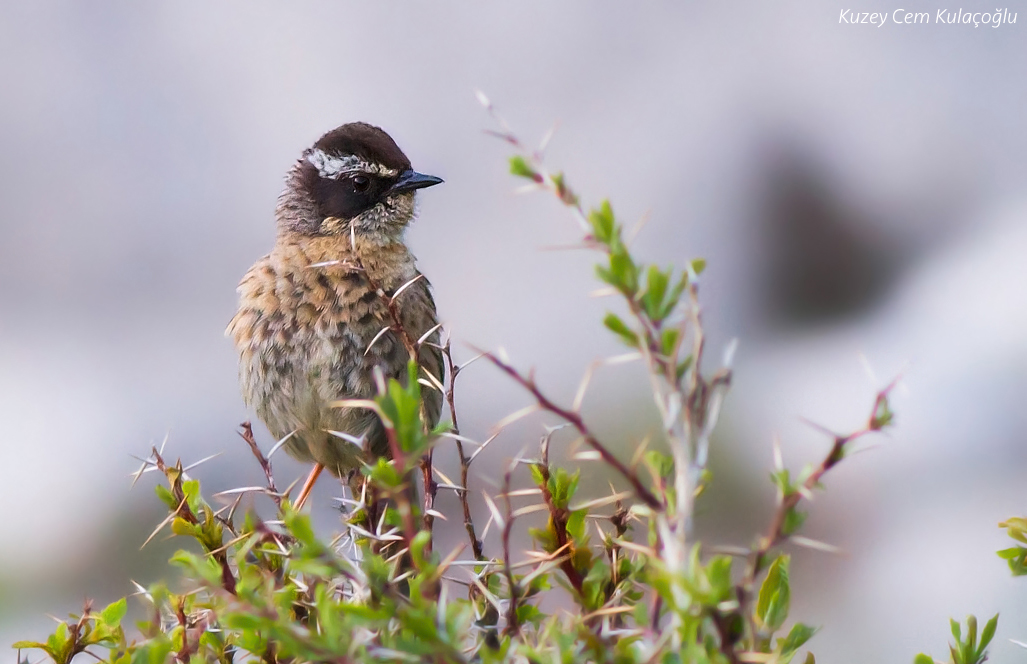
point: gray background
(858, 192)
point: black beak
(410, 180)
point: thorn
(378, 336)
(513, 417)
(541, 507)
(819, 427)
(863, 360)
(729, 352)
(354, 440)
(471, 361)
(436, 384)
(427, 334)
(281, 442)
(579, 397)
(406, 286)
(637, 228)
(168, 519)
(548, 136)
(194, 465)
(496, 515)
(815, 544)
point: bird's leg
(308, 485)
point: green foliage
(1016, 556)
(639, 586)
(973, 650)
(101, 629)
(774, 597)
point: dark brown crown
(366, 141)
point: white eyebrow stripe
(333, 167)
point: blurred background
(858, 192)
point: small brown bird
(309, 329)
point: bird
(314, 324)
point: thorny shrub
(641, 587)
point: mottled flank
(308, 315)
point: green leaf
(576, 525)
(718, 570)
(529, 613)
(655, 290)
(661, 465)
(622, 272)
(57, 643)
(603, 223)
(774, 598)
(114, 612)
(562, 486)
(201, 567)
(793, 520)
(28, 644)
(987, 635)
(420, 541)
(882, 417)
(798, 636)
(158, 650)
(971, 639)
(299, 525)
(166, 496)
(562, 190)
(669, 340)
(180, 526)
(598, 576)
(519, 167)
(537, 474)
(783, 481)
(384, 473)
(675, 296)
(621, 329)
(1016, 528)
(685, 365)
(698, 265)
(923, 659)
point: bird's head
(354, 179)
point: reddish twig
(425, 463)
(403, 503)
(465, 462)
(880, 417)
(247, 434)
(559, 517)
(174, 476)
(575, 420)
(185, 652)
(513, 624)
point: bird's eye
(361, 182)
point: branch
(465, 461)
(425, 463)
(247, 434)
(575, 420)
(880, 417)
(513, 625)
(174, 476)
(559, 518)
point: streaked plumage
(308, 313)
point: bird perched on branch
(320, 313)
